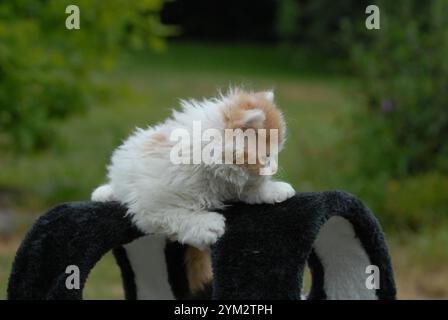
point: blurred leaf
(46, 70)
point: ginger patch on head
(248, 110)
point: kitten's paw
(271, 192)
(103, 193)
(277, 191)
(203, 230)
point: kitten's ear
(253, 118)
(269, 95)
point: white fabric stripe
(344, 261)
(147, 258)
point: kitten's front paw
(103, 193)
(203, 230)
(271, 192)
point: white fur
(103, 193)
(178, 200)
(270, 192)
(270, 95)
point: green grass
(317, 105)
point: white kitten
(178, 200)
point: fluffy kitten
(178, 200)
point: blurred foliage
(288, 13)
(401, 123)
(403, 76)
(301, 24)
(222, 20)
(315, 25)
(46, 70)
(417, 201)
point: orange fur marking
(198, 267)
(243, 101)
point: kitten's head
(255, 112)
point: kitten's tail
(199, 269)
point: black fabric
(127, 273)
(76, 233)
(262, 254)
(317, 291)
(177, 276)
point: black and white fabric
(262, 255)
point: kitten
(178, 200)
